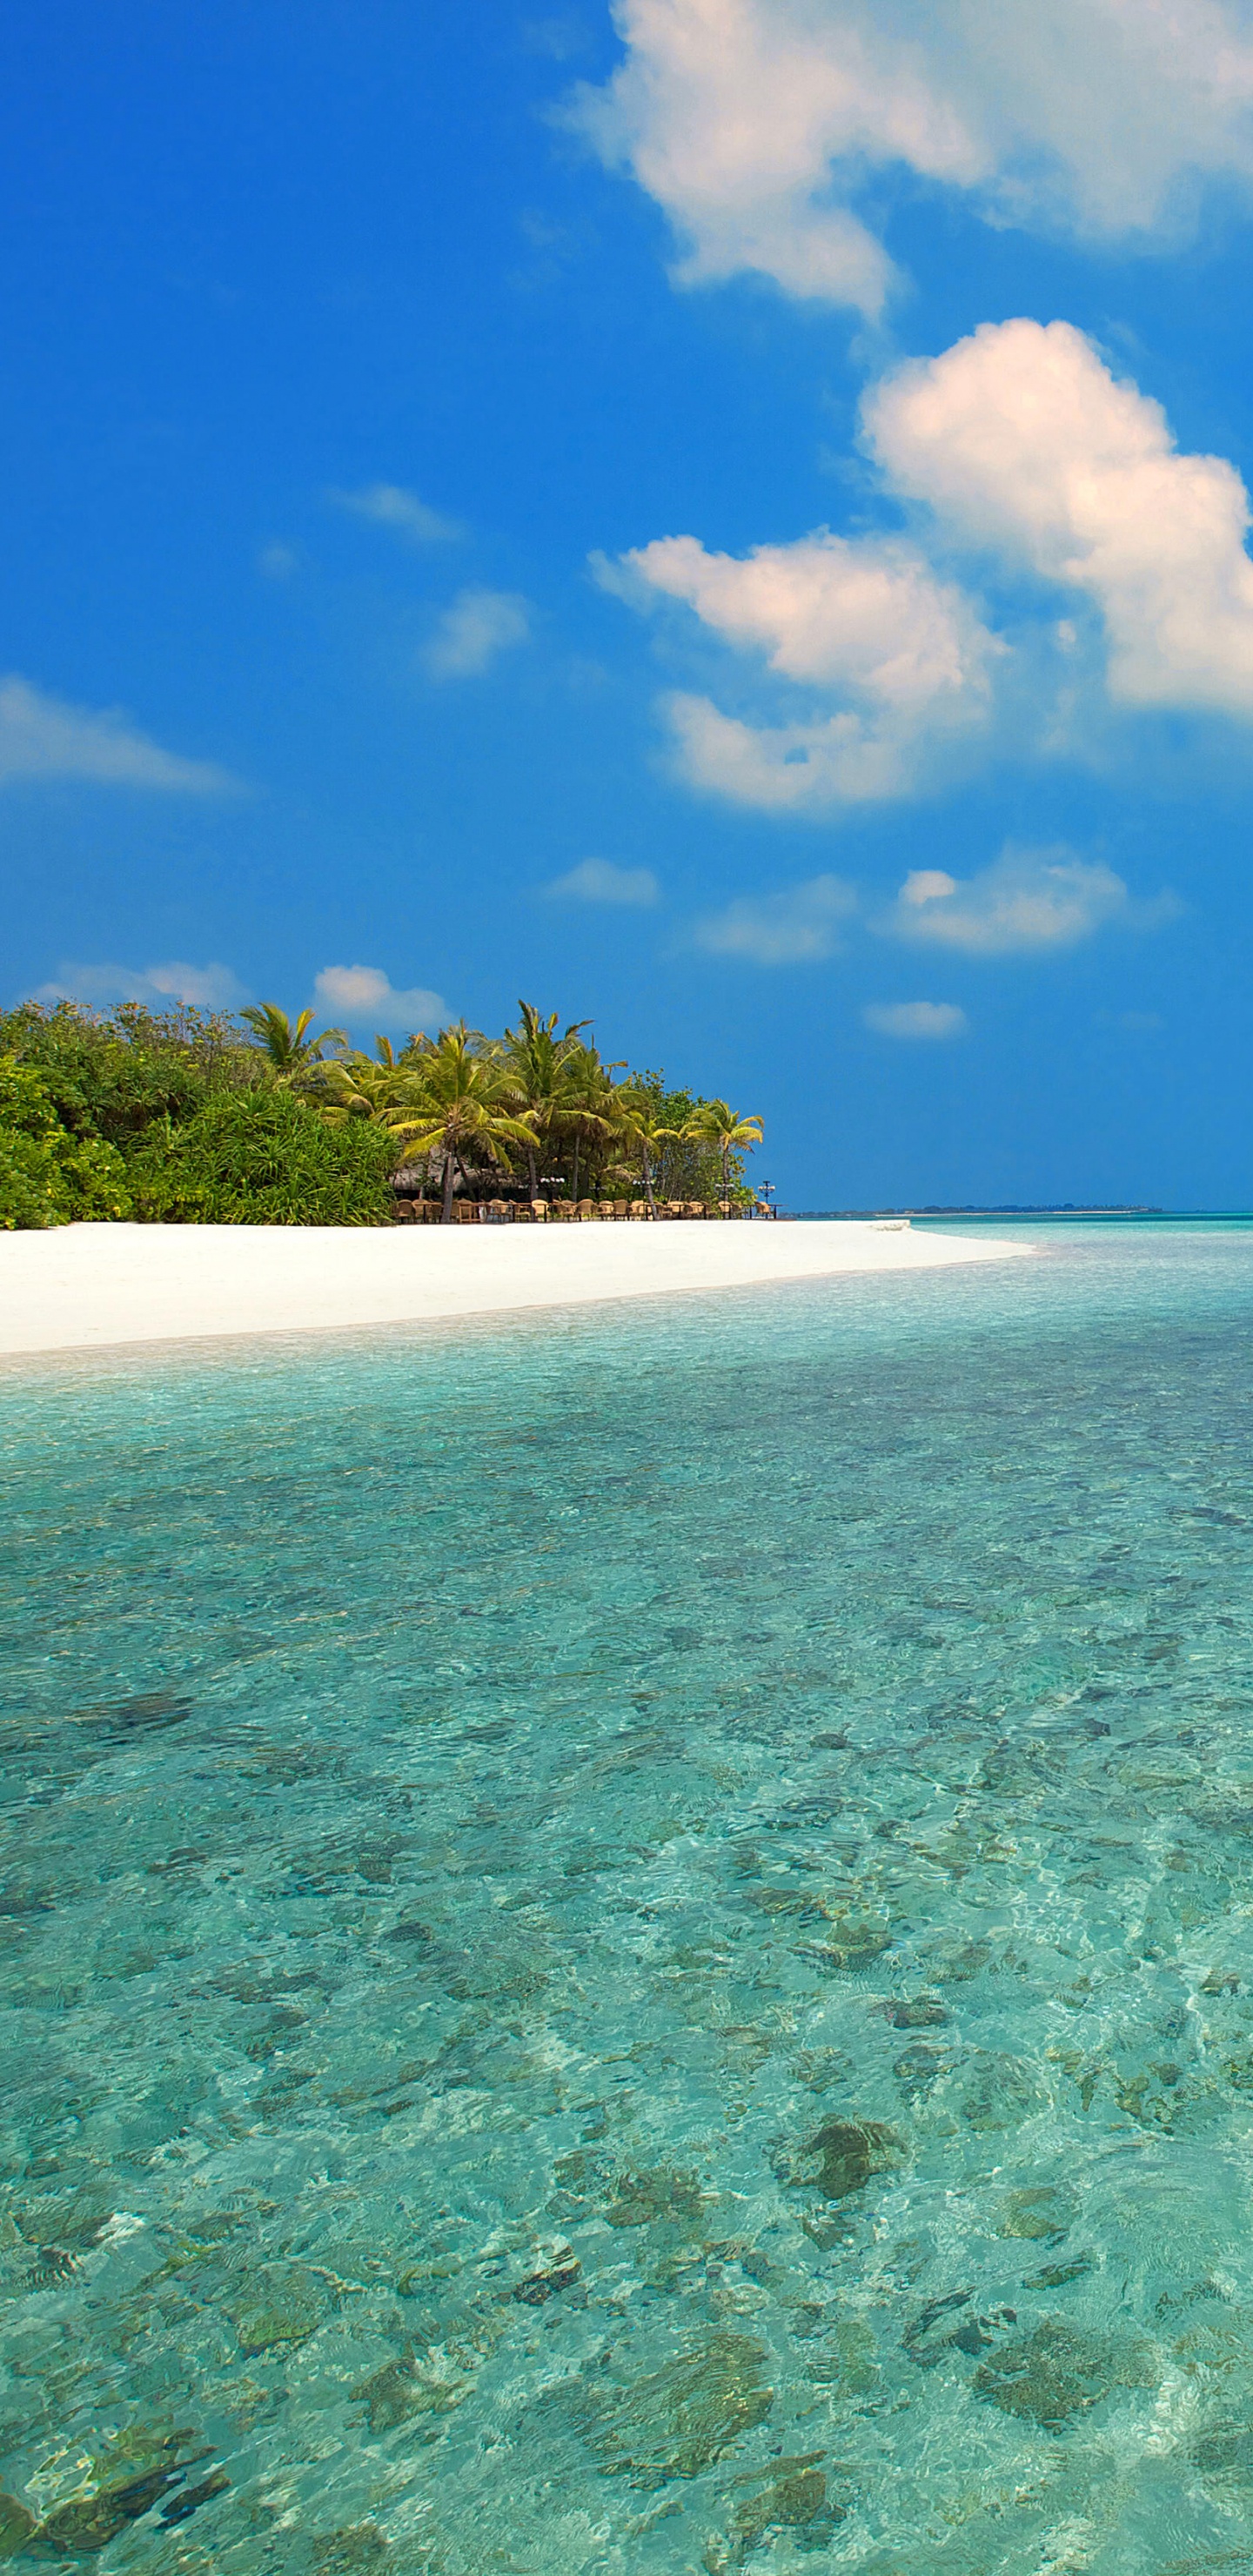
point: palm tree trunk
(726, 1180)
(648, 1183)
(576, 1167)
(532, 1172)
(449, 1169)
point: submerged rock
(790, 2495)
(279, 2303)
(857, 1937)
(17, 2526)
(641, 2198)
(406, 2388)
(1224, 2446)
(917, 2012)
(1002, 2092)
(1043, 2213)
(538, 2287)
(87, 2524)
(845, 2153)
(678, 2420)
(358, 2545)
(146, 1714)
(189, 2499)
(919, 2067)
(1059, 2370)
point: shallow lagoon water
(628, 1940)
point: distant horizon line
(1056, 1208)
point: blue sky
(727, 516)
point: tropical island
(193, 1117)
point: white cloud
(755, 123)
(864, 620)
(599, 881)
(1027, 901)
(477, 626)
(793, 927)
(278, 561)
(210, 988)
(1022, 441)
(365, 997)
(865, 613)
(390, 506)
(43, 737)
(916, 1019)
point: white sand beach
(89, 1287)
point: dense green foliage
(173, 1117)
(263, 1157)
(48, 1173)
(186, 1117)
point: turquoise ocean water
(627, 1940)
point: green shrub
(114, 1077)
(263, 1157)
(31, 1191)
(47, 1176)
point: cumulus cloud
(916, 1019)
(477, 626)
(755, 124)
(861, 621)
(390, 506)
(42, 737)
(210, 988)
(1022, 440)
(792, 927)
(365, 997)
(599, 881)
(864, 613)
(865, 672)
(1027, 901)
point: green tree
(643, 1123)
(291, 1050)
(386, 1088)
(49, 1176)
(730, 1133)
(543, 1075)
(111, 1076)
(466, 1104)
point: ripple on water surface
(627, 1940)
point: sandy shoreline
(90, 1287)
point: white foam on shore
(89, 1287)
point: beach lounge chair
(639, 1207)
(585, 1211)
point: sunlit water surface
(628, 1939)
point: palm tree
(588, 1108)
(389, 1090)
(643, 1125)
(290, 1050)
(729, 1133)
(463, 1098)
(541, 1068)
